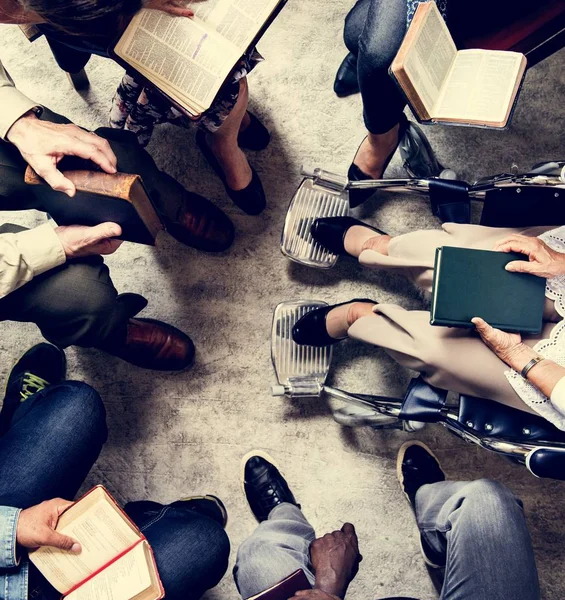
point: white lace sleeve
(552, 348)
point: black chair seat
(490, 418)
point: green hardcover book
(474, 283)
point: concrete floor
(173, 435)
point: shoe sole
(400, 476)
(244, 460)
(216, 501)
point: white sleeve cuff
(14, 105)
(41, 248)
(558, 395)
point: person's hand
(507, 346)
(543, 261)
(172, 7)
(314, 594)
(335, 559)
(80, 240)
(36, 526)
(43, 145)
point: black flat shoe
(311, 330)
(330, 232)
(346, 82)
(357, 197)
(255, 137)
(250, 199)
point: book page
(102, 532)
(125, 579)
(239, 21)
(430, 57)
(480, 86)
(178, 53)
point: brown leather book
(446, 85)
(102, 197)
(286, 588)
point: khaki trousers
(449, 358)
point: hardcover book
(286, 588)
(474, 283)
(446, 85)
(102, 197)
(116, 560)
(189, 59)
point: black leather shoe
(311, 329)
(357, 197)
(330, 232)
(346, 82)
(416, 466)
(255, 137)
(264, 485)
(250, 199)
(39, 367)
(209, 506)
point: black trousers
(77, 303)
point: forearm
(14, 104)
(25, 255)
(544, 376)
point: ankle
(357, 310)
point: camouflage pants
(139, 108)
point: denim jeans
(475, 529)
(54, 439)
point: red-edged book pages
(286, 588)
(116, 560)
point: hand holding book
(543, 260)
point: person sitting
(464, 527)
(373, 33)
(75, 30)
(451, 358)
(52, 432)
(71, 298)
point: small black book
(474, 283)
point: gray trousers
(77, 303)
(476, 530)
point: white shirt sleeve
(558, 396)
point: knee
(195, 555)
(490, 501)
(79, 410)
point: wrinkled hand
(507, 346)
(335, 559)
(313, 595)
(172, 7)
(43, 145)
(543, 261)
(36, 526)
(80, 240)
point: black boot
(346, 82)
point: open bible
(442, 84)
(189, 59)
(116, 560)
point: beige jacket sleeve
(13, 104)
(27, 254)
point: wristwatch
(530, 365)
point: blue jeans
(475, 529)
(54, 439)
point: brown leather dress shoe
(202, 225)
(154, 345)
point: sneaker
(417, 466)
(40, 366)
(264, 485)
(208, 505)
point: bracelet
(530, 365)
